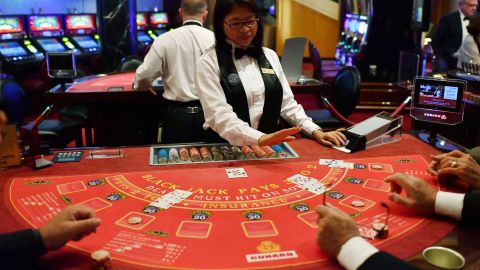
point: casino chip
(376, 166)
(101, 259)
(135, 220)
(357, 203)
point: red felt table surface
(104, 83)
(283, 236)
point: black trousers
(183, 122)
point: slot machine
(82, 31)
(144, 39)
(16, 49)
(47, 32)
(158, 23)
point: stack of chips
(227, 153)
(259, 152)
(173, 155)
(248, 152)
(238, 153)
(279, 150)
(195, 155)
(205, 154)
(269, 151)
(183, 152)
(101, 260)
(162, 156)
(217, 156)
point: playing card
(325, 161)
(298, 179)
(171, 198)
(315, 188)
(336, 164)
(236, 172)
(307, 183)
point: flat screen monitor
(158, 18)
(141, 20)
(44, 23)
(143, 37)
(10, 25)
(11, 48)
(438, 95)
(80, 22)
(51, 45)
(86, 42)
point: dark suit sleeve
(438, 37)
(475, 153)
(383, 260)
(471, 207)
(20, 250)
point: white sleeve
(469, 52)
(151, 68)
(219, 115)
(291, 111)
(449, 204)
(355, 252)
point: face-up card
(236, 172)
(315, 188)
(171, 198)
(307, 183)
(325, 161)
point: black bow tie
(250, 51)
(466, 18)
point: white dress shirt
(357, 250)
(219, 115)
(173, 57)
(468, 52)
(464, 30)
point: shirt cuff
(252, 137)
(309, 127)
(355, 252)
(449, 204)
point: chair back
(346, 89)
(316, 61)
(14, 100)
(129, 63)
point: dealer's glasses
(240, 24)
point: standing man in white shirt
(173, 57)
(450, 33)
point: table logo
(272, 256)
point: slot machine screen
(158, 19)
(362, 27)
(86, 42)
(143, 37)
(141, 20)
(44, 23)
(11, 48)
(10, 25)
(438, 95)
(51, 45)
(80, 22)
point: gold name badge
(268, 71)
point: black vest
(235, 93)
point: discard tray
(195, 153)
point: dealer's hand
(456, 164)
(72, 223)
(420, 195)
(284, 135)
(330, 138)
(334, 228)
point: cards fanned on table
(333, 163)
(307, 183)
(236, 172)
(171, 198)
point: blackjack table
(260, 220)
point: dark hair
(194, 7)
(222, 9)
(473, 27)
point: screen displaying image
(51, 45)
(143, 37)
(86, 42)
(158, 18)
(43, 23)
(11, 48)
(80, 22)
(10, 25)
(438, 95)
(141, 20)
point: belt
(189, 110)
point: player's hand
(420, 195)
(456, 164)
(334, 228)
(330, 138)
(284, 135)
(72, 223)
